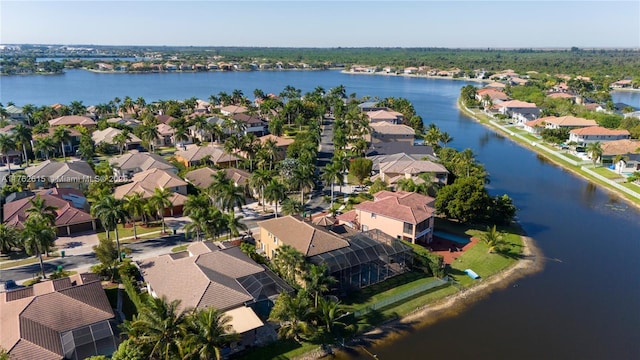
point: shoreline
(549, 158)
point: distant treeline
(617, 64)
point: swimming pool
(462, 240)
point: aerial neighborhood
(293, 211)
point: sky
(451, 24)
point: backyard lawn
(124, 232)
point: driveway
(78, 244)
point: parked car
(11, 285)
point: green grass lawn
(281, 350)
(180, 248)
(5, 264)
(124, 232)
(606, 173)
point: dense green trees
(360, 168)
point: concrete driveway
(78, 244)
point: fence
(612, 183)
(399, 297)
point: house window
(365, 228)
(408, 228)
(373, 216)
(273, 253)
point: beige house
(211, 275)
(72, 174)
(193, 155)
(148, 181)
(125, 166)
(203, 177)
(393, 171)
(68, 318)
(107, 135)
(389, 116)
(73, 120)
(404, 215)
(388, 132)
(554, 122)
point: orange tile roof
(517, 104)
(598, 130)
(569, 121)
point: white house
(593, 134)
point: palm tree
(232, 196)
(330, 312)
(433, 136)
(293, 313)
(158, 328)
(121, 140)
(303, 178)
(110, 211)
(62, 135)
(22, 136)
(37, 237)
(133, 204)
(259, 180)
(206, 331)
(39, 208)
(8, 238)
(77, 108)
(198, 224)
(493, 238)
(292, 206)
(595, 151)
(46, 145)
(149, 133)
(275, 192)
(288, 262)
(160, 201)
(329, 175)
(317, 281)
(233, 224)
(445, 138)
(7, 143)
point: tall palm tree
(37, 238)
(595, 151)
(233, 224)
(259, 180)
(149, 133)
(121, 140)
(46, 145)
(77, 108)
(39, 208)
(303, 178)
(62, 135)
(160, 201)
(8, 238)
(133, 204)
(445, 138)
(7, 143)
(110, 211)
(291, 206)
(288, 262)
(329, 175)
(207, 330)
(293, 314)
(22, 135)
(231, 197)
(318, 281)
(158, 328)
(275, 192)
(218, 183)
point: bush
(32, 281)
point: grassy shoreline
(575, 170)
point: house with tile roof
(203, 177)
(211, 275)
(394, 170)
(252, 123)
(592, 134)
(66, 318)
(148, 181)
(403, 215)
(193, 155)
(521, 111)
(628, 149)
(106, 136)
(133, 162)
(15, 113)
(495, 95)
(72, 174)
(387, 132)
(534, 126)
(389, 116)
(282, 144)
(554, 122)
(230, 110)
(73, 120)
(72, 211)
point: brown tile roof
(497, 85)
(493, 94)
(71, 120)
(349, 216)
(164, 119)
(32, 325)
(569, 121)
(308, 239)
(233, 109)
(534, 123)
(197, 153)
(598, 130)
(621, 147)
(140, 161)
(147, 181)
(203, 177)
(405, 206)
(248, 119)
(280, 141)
(66, 214)
(561, 95)
(208, 278)
(384, 127)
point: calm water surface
(585, 304)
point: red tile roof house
(73, 120)
(147, 181)
(404, 215)
(534, 126)
(66, 318)
(210, 275)
(593, 134)
(554, 122)
(72, 214)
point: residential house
(72, 174)
(398, 147)
(15, 113)
(368, 106)
(126, 165)
(496, 96)
(521, 111)
(203, 135)
(534, 126)
(164, 119)
(107, 135)
(411, 70)
(72, 211)
(562, 95)
(170, 67)
(387, 132)
(193, 155)
(165, 135)
(622, 84)
(252, 123)
(132, 123)
(629, 149)
(148, 181)
(70, 146)
(355, 259)
(592, 134)
(554, 122)
(73, 120)
(496, 85)
(203, 177)
(211, 275)
(68, 318)
(393, 171)
(405, 215)
(231, 110)
(389, 116)
(282, 144)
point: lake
(585, 304)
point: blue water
(584, 305)
(452, 237)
